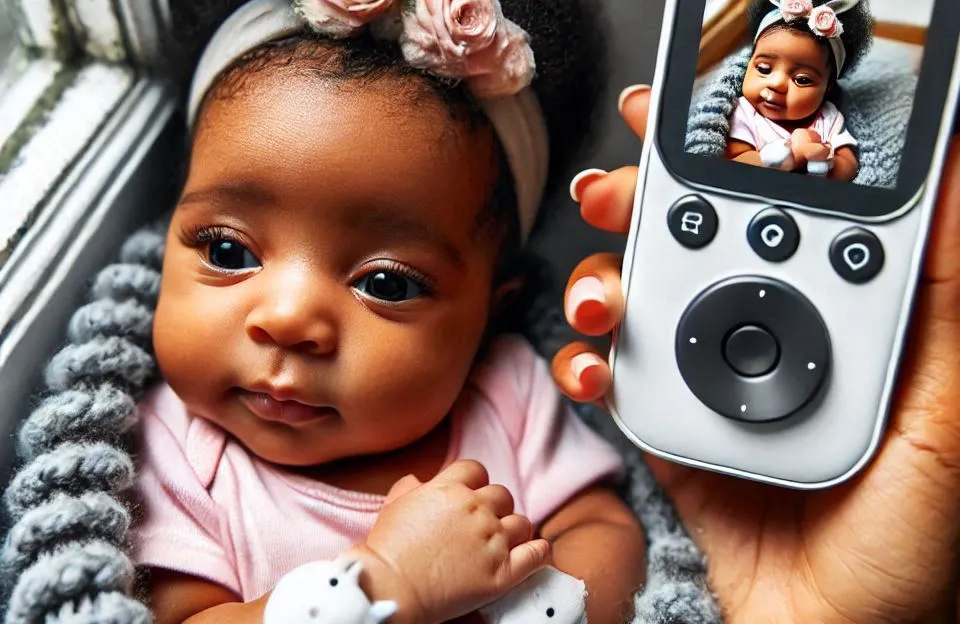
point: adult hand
(879, 548)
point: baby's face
(325, 285)
(788, 76)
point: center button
(751, 351)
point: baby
(783, 119)
(362, 180)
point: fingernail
(628, 92)
(582, 361)
(585, 290)
(580, 180)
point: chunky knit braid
(65, 556)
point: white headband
(821, 20)
(499, 77)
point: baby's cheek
(189, 341)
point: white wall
(914, 12)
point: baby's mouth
(290, 412)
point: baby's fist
(456, 540)
(803, 136)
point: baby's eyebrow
(230, 193)
(391, 224)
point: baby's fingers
(524, 560)
(497, 498)
(469, 472)
(593, 302)
(401, 487)
(518, 529)
(581, 373)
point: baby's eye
(763, 68)
(803, 81)
(231, 255)
(388, 286)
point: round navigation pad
(753, 349)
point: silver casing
(835, 435)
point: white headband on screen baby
(468, 40)
(821, 20)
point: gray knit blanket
(66, 557)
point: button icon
(692, 221)
(856, 255)
(773, 235)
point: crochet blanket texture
(66, 557)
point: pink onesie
(215, 511)
(749, 126)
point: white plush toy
(548, 597)
(325, 592)
(328, 592)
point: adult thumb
(929, 390)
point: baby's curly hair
(857, 34)
(568, 42)
(568, 39)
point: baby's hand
(803, 143)
(803, 136)
(816, 152)
(455, 540)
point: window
(86, 146)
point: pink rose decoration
(341, 18)
(469, 40)
(823, 21)
(794, 9)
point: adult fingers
(581, 373)
(593, 301)
(606, 199)
(634, 105)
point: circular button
(856, 255)
(773, 235)
(731, 385)
(692, 221)
(751, 351)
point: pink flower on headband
(823, 21)
(469, 40)
(341, 18)
(795, 9)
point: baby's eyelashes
(388, 286)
